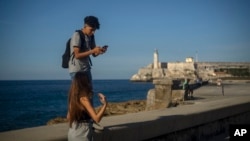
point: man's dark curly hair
(92, 21)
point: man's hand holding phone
(104, 48)
(99, 50)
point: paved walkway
(212, 92)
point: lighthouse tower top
(156, 51)
(156, 59)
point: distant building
(189, 60)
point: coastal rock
(112, 109)
(57, 120)
(124, 107)
(141, 77)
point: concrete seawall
(208, 114)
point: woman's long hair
(80, 86)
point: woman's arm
(85, 101)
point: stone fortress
(189, 69)
(168, 78)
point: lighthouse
(156, 59)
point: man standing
(186, 88)
(82, 45)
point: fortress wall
(180, 66)
(145, 71)
(215, 65)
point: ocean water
(32, 103)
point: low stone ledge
(213, 131)
(56, 132)
(152, 124)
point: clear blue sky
(34, 32)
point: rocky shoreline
(113, 108)
(134, 106)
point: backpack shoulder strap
(82, 37)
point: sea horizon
(30, 103)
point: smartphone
(105, 47)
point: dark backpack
(66, 56)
